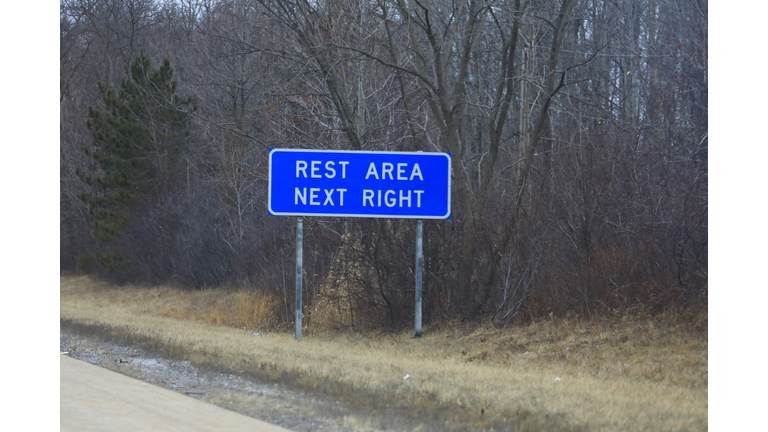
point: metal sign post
(419, 269)
(299, 272)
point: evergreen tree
(139, 138)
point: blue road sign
(411, 185)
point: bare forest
(577, 128)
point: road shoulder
(96, 399)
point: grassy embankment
(629, 375)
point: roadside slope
(583, 378)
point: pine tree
(139, 138)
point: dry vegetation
(556, 374)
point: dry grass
(234, 308)
(628, 375)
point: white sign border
(274, 213)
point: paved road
(96, 399)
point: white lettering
(301, 166)
(403, 198)
(400, 198)
(386, 168)
(315, 169)
(343, 169)
(367, 196)
(341, 196)
(313, 195)
(328, 195)
(416, 172)
(418, 197)
(387, 200)
(401, 171)
(372, 170)
(328, 166)
(300, 195)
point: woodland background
(578, 130)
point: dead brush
(255, 309)
(242, 308)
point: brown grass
(234, 308)
(556, 374)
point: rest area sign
(414, 185)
